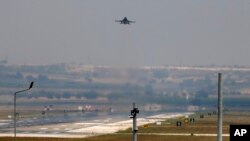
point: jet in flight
(124, 21)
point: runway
(85, 128)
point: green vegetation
(166, 86)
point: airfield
(110, 130)
(99, 126)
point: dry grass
(125, 138)
(207, 125)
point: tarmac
(84, 129)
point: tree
(78, 96)
(42, 78)
(58, 96)
(91, 95)
(160, 74)
(202, 94)
(66, 95)
(19, 75)
(30, 78)
(148, 89)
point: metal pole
(31, 85)
(220, 108)
(15, 117)
(134, 126)
(133, 114)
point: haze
(166, 32)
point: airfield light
(31, 85)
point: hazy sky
(166, 32)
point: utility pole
(133, 114)
(220, 110)
(31, 85)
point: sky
(166, 32)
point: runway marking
(41, 132)
(5, 120)
(55, 128)
(3, 124)
(43, 128)
(88, 123)
(68, 129)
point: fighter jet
(124, 21)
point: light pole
(133, 114)
(31, 85)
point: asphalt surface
(76, 125)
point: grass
(206, 125)
(201, 125)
